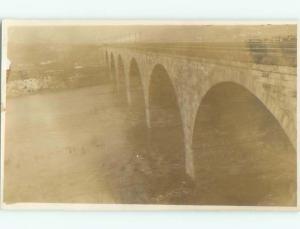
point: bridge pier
(128, 92)
(128, 95)
(189, 161)
(188, 143)
(108, 67)
(107, 63)
(147, 112)
(110, 70)
(117, 75)
(110, 73)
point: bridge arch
(113, 71)
(137, 112)
(107, 60)
(136, 89)
(166, 133)
(242, 155)
(268, 92)
(121, 77)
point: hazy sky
(99, 34)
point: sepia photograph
(149, 115)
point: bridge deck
(268, 53)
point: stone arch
(107, 59)
(137, 113)
(242, 155)
(284, 113)
(137, 96)
(166, 137)
(121, 77)
(113, 71)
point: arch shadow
(242, 156)
(136, 86)
(166, 140)
(113, 69)
(107, 60)
(121, 78)
(136, 111)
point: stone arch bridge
(192, 78)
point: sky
(87, 34)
